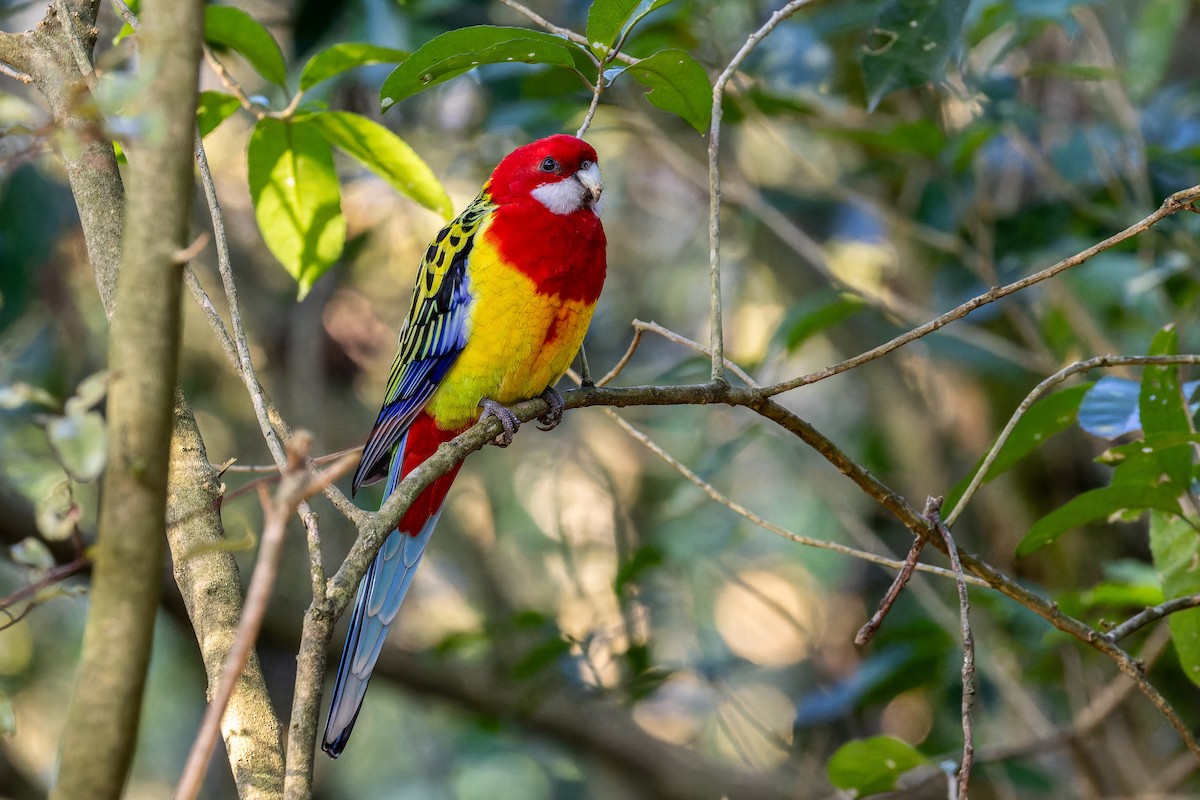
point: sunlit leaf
(871, 766)
(297, 201)
(81, 444)
(338, 58)
(911, 44)
(226, 26)
(387, 155)
(677, 84)
(1175, 548)
(57, 513)
(455, 52)
(212, 109)
(607, 18)
(1093, 505)
(1045, 418)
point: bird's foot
(508, 421)
(549, 421)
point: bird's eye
(584, 165)
(549, 165)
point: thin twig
(867, 631)
(1150, 614)
(232, 85)
(933, 512)
(1032, 397)
(15, 74)
(717, 496)
(567, 33)
(298, 483)
(1177, 202)
(127, 14)
(624, 360)
(54, 575)
(717, 336)
(672, 336)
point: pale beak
(592, 182)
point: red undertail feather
(424, 437)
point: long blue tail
(379, 597)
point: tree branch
(143, 357)
(1177, 202)
(207, 575)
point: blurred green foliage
(882, 162)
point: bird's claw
(508, 421)
(549, 421)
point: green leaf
(1163, 408)
(338, 58)
(1175, 548)
(80, 443)
(387, 155)
(226, 26)
(296, 197)
(212, 109)
(455, 52)
(1097, 504)
(1049, 416)
(677, 84)
(910, 45)
(1140, 463)
(871, 766)
(607, 18)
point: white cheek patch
(562, 197)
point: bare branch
(16, 74)
(1177, 202)
(1150, 614)
(933, 512)
(714, 181)
(867, 632)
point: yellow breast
(519, 341)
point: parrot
(503, 297)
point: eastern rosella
(503, 298)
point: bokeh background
(578, 567)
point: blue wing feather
(433, 336)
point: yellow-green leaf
(296, 197)
(387, 155)
(226, 26)
(337, 58)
